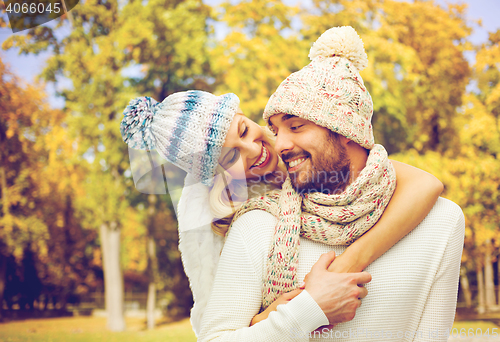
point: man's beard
(329, 172)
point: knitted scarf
(336, 219)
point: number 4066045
(471, 332)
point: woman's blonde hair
(228, 194)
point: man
(321, 116)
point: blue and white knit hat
(188, 129)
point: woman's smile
(263, 159)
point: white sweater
(412, 295)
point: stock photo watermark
(396, 334)
(26, 14)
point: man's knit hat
(188, 129)
(329, 91)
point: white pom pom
(341, 42)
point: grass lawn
(93, 329)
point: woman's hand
(283, 299)
(345, 264)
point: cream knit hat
(329, 91)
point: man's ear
(344, 141)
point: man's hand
(337, 294)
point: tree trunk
(3, 184)
(152, 264)
(464, 284)
(151, 305)
(113, 278)
(3, 281)
(5, 212)
(435, 132)
(488, 278)
(480, 290)
(498, 278)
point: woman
(209, 137)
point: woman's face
(247, 153)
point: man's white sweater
(412, 295)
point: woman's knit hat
(188, 129)
(329, 91)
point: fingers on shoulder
(356, 293)
(363, 292)
(362, 277)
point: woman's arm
(283, 299)
(415, 195)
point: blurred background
(76, 237)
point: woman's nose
(254, 141)
(255, 148)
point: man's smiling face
(315, 157)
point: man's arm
(237, 292)
(439, 311)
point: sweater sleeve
(236, 295)
(439, 310)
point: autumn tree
(21, 110)
(170, 46)
(471, 170)
(86, 58)
(484, 136)
(165, 40)
(39, 185)
(260, 50)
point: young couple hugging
(334, 232)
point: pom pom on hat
(136, 124)
(341, 42)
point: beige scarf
(337, 219)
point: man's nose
(283, 143)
